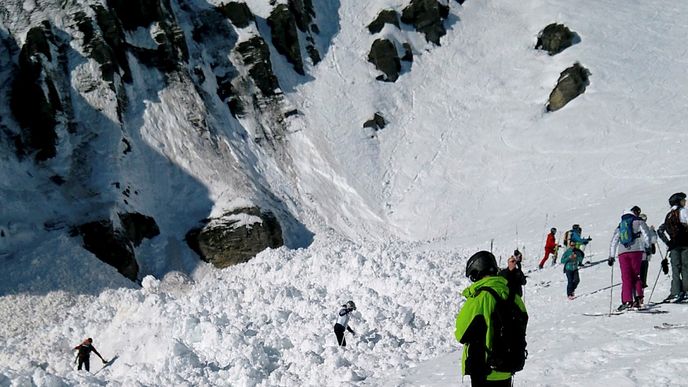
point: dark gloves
(610, 261)
(104, 361)
(665, 266)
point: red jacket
(551, 243)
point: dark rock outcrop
(238, 13)
(572, 83)
(376, 123)
(303, 12)
(111, 246)
(284, 36)
(236, 237)
(137, 226)
(34, 99)
(255, 55)
(555, 38)
(134, 14)
(387, 16)
(427, 17)
(383, 54)
(408, 53)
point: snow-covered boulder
(236, 237)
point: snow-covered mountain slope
(468, 156)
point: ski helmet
(481, 264)
(636, 210)
(675, 199)
(575, 226)
(350, 305)
(643, 217)
(553, 230)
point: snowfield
(469, 158)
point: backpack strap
(496, 296)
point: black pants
(85, 362)
(574, 280)
(491, 383)
(339, 332)
(644, 265)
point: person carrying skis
(85, 349)
(649, 252)
(572, 258)
(551, 247)
(476, 318)
(342, 323)
(514, 277)
(630, 240)
(676, 225)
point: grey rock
(383, 54)
(236, 237)
(555, 38)
(387, 16)
(572, 83)
(284, 36)
(255, 55)
(111, 246)
(427, 17)
(238, 13)
(376, 123)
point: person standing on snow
(630, 240)
(514, 277)
(474, 321)
(576, 236)
(649, 251)
(676, 225)
(572, 258)
(342, 323)
(551, 247)
(85, 349)
(518, 257)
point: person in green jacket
(572, 259)
(474, 325)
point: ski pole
(611, 292)
(656, 279)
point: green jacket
(474, 326)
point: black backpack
(509, 325)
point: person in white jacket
(629, 241)
(342, 323)
(650, 250)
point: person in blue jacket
(572, 258)
(575, 235)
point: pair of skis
(653, 309)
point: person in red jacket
(551, 247)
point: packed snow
(469, 159)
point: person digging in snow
(83, 357)
(342, 323)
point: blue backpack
(626, 234)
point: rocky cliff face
(77, 76)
